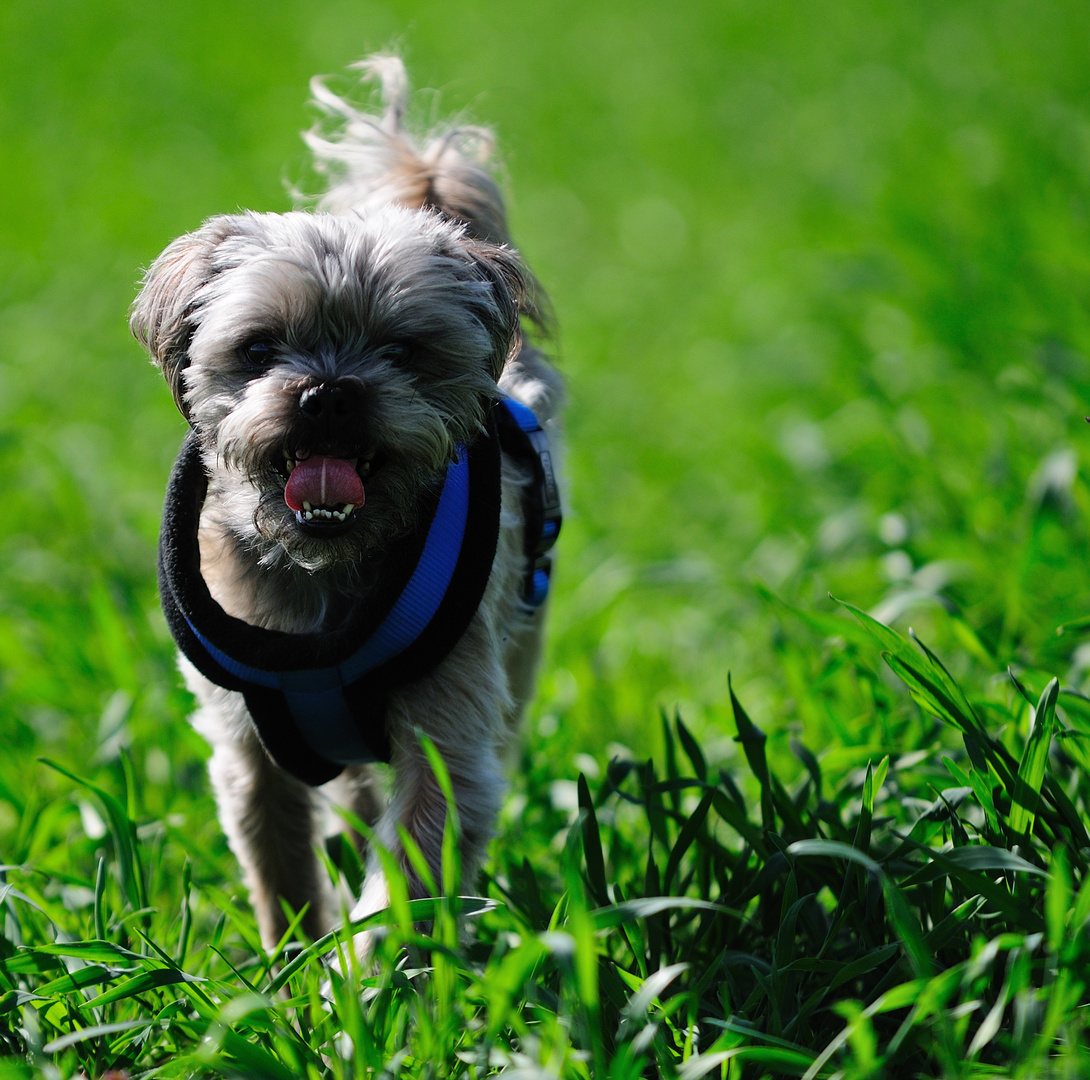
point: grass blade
(753, 745)
(1031, 769)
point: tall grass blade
(123, 831)
(592, 844)
(1031, 769)
(753, 745)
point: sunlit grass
(822, 280)
(926, 913)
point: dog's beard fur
(405, 304)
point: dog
(354, 550)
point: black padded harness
(318, 700)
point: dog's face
(330, 365)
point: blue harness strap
(318, 701)
(315, 696)
(522, 436)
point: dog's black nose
(330, 415)
(329, 403)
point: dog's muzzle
(323, 478)
(324, 492)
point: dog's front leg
(269, 819)
(419, 807)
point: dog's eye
(258, 353)
(399, 350)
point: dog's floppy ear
(160, 316)
(501, 267)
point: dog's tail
(370, 159)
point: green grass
(823, 284)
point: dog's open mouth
(325, 492)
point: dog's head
(330, 365)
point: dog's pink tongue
(323, 481)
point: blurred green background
(821, 274)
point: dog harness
(318, 700)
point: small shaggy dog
(353, 550)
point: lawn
(822, 280)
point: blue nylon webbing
(523, 414)
(314, 694)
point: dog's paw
(374, 898)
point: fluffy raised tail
(370, 159)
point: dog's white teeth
(321, 513)
(289, 464)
